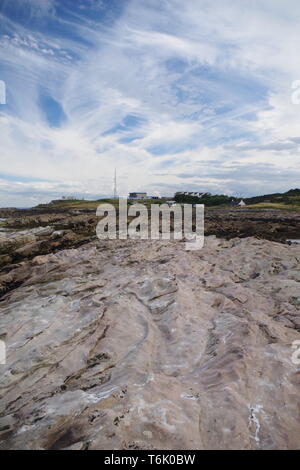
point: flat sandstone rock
(143, 345)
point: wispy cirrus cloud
(159, 89)
(29, 9)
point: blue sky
(177, 95)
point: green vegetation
(274, 205)
(74, 204)
(87, 204)
(207, 199)
(283, 201)
(289, 200)
(291, 197)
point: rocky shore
(27, 233)
(143, 345)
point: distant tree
(207, 199)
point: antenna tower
(115, 184)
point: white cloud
(170, 64)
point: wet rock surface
(16, 246)
(275, 225)
(143, 345)
(272, 225)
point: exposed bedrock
(16, 246)
(143, 345)
(227, 223)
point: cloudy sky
(177, 95)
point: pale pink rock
(144, 345)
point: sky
(177, 95)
